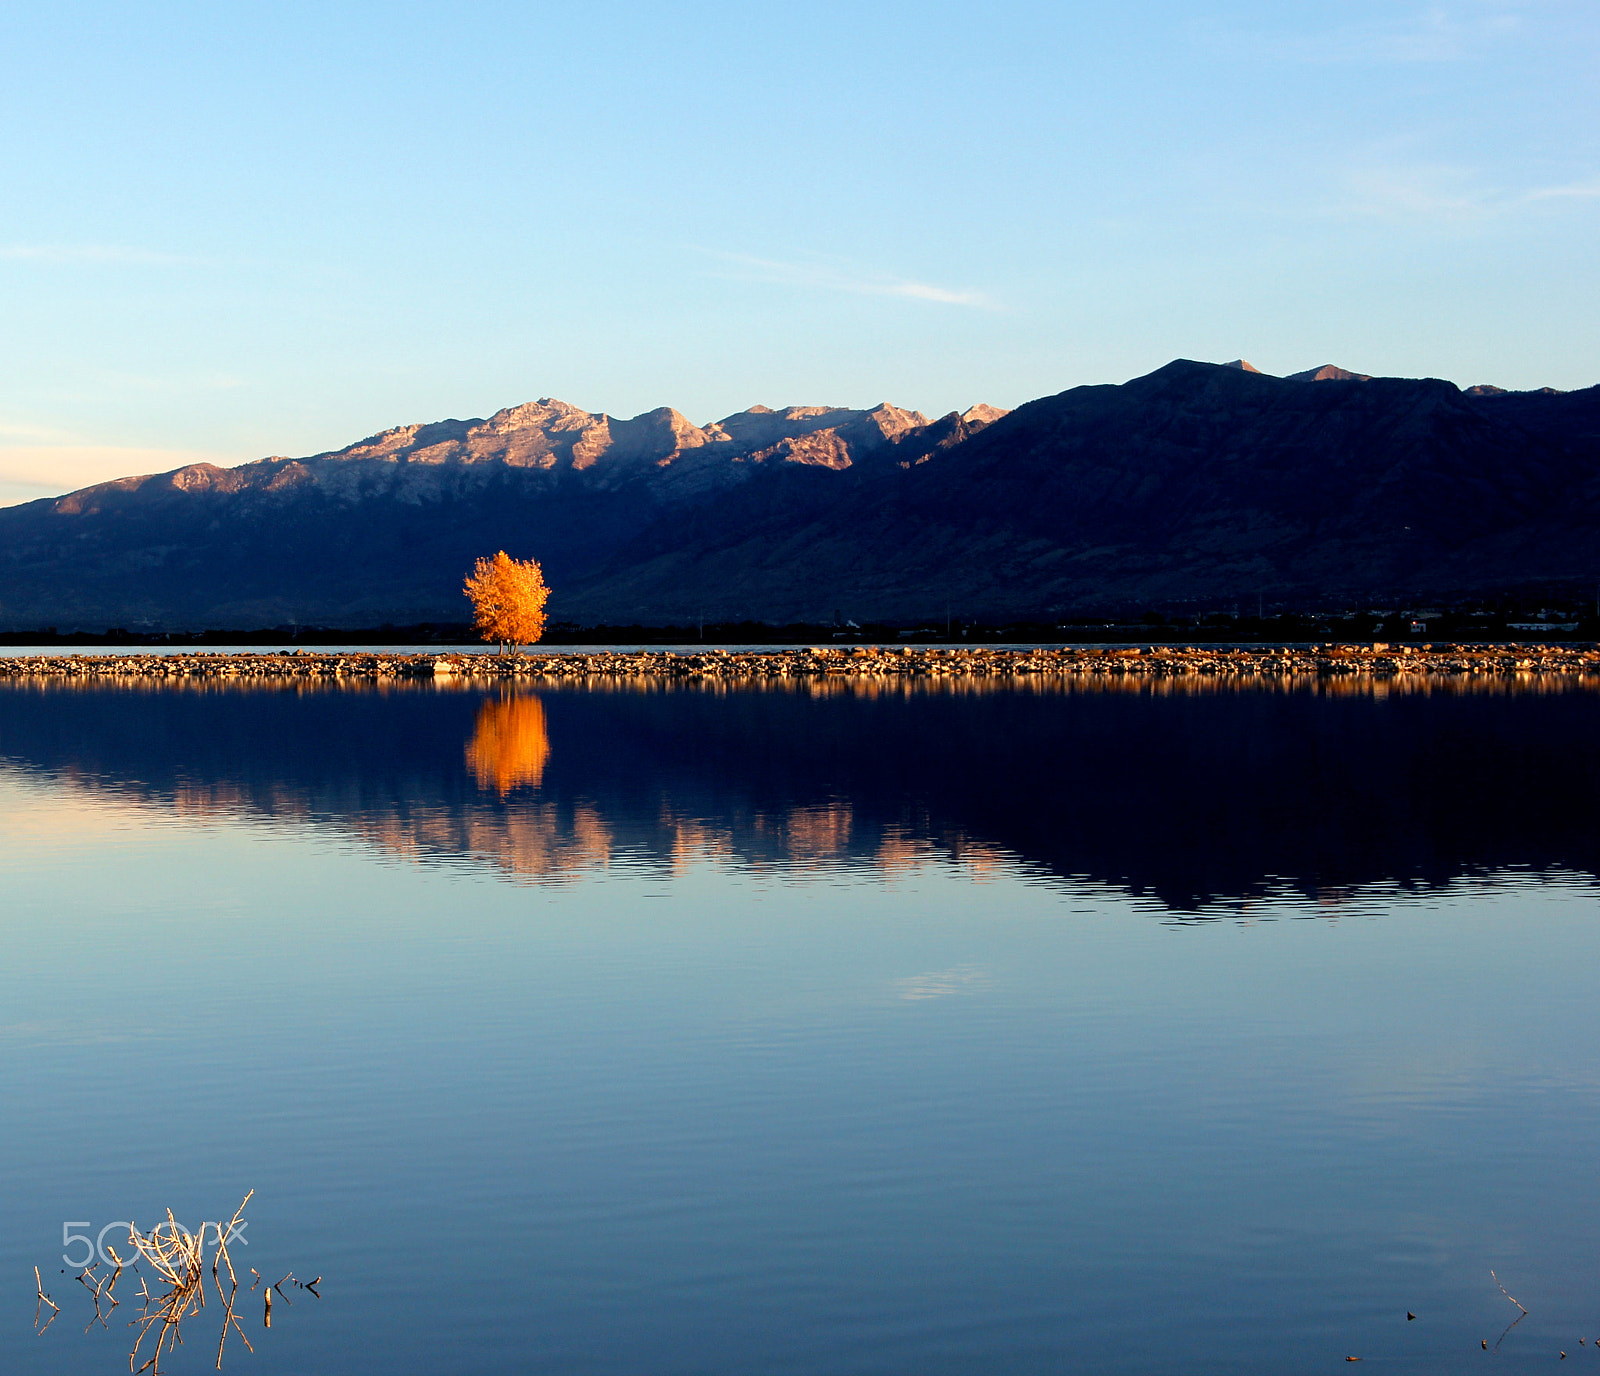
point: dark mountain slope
(1196, 481)
(1571, 419)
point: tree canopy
(508, 597)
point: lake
(839, 1027)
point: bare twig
(101, 1289)
(44, 1299)
(1514, 1322)
(1507, 1293)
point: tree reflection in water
(509, 744)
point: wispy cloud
(1415, 192)
(1445, 194)
(1577, 191)
(1438, 33)
(67, 255)
(178, 384)
(823, 274)
(43, 434)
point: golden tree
(508, 597)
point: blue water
(672, 1032)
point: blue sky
(234, 230)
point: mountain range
(1194, 484)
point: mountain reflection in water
(1189, 792)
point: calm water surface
(830, 1030)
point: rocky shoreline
(861, 661)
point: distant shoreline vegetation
(1563, 615)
